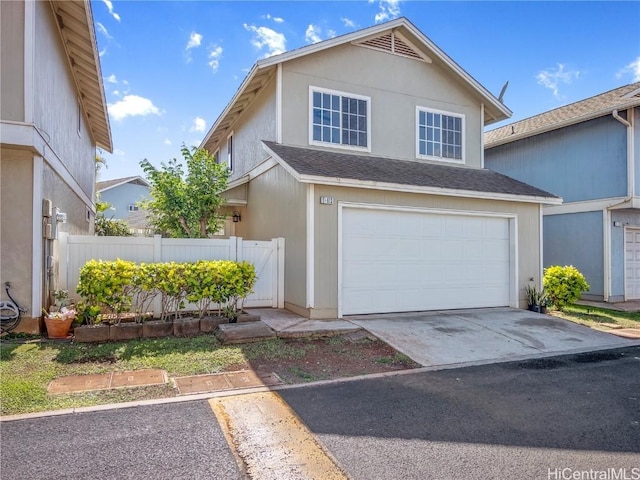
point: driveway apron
(481, 335)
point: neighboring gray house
(53, 115)
(365, 152)
(589, 154)
(124, 196)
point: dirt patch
(330, 358)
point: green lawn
(599, 318)
(27, 367)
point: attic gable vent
(394, 43)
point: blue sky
(169, 68)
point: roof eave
(565, 123)
(91, 94)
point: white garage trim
(513, 240)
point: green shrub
(120, 285)
(564, 285)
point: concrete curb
(242, 391)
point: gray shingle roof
(323, 163)
(100, 186)
(593, 107)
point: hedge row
(122, 286)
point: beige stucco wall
(16, 227)
(257, 122)
(277, 208)
(326, 234)
(12, 60)
(396, 85)
(55, 102)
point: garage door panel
(423, 261)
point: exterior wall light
(236, 217)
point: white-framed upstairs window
(230, 152)
(217, 156)
(133, 207)
(339, 119)
(439, 135)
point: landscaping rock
(248, 317)
(186, 327)
(157, 328)
(91, 333)
(125, 331)
(209, 324)
(244, 332)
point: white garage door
(397, 261)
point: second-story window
(341, 119)
(133, 208)
(440, 135)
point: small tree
(186, 204)
(564, 285)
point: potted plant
(537, 300)
(59, 320)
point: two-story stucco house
(588, 152)
(53, 114)
(365, 152)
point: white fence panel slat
(267, 256)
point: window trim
(461, 116)
(230, 152)
(339, 145)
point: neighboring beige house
(53, 115)
(365, 152)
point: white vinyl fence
(267, 256)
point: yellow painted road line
(270, 439)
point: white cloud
(102, 52)
(112, 79)
(195, 39)
(167, 141)
(552, 79)
(102, 29)
(387, 10)
(348, 23)
(633, 68)
(214, 57)
(274, 42)
(119, 152)
(116, 93)
(132, 106)
(199, 124)
(109, 5)
(312, 35)
(268, 16)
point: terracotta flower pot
(58, 328)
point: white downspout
(630, 194)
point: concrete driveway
(483, 335)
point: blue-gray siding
(576, 239)
(630, 218)
(121, 197)
(586, 161)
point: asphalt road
(537, 419)
(171, 441)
